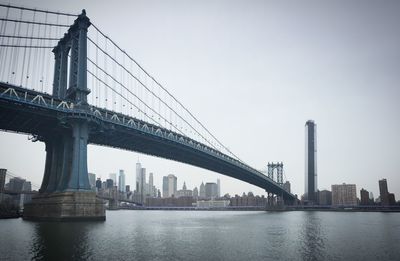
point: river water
(207, 235)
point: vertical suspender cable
(30, 51)
(42, 59)
(10, 62)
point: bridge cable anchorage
(173, 97)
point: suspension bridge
(66, 83)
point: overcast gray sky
(254, 72)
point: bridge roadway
(31, 112)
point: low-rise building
(212, 203)
(344, 195)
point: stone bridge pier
(65, 193)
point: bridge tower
(278, 168)
(65, 191)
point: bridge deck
(32, 112)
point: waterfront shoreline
(384, 210)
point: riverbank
(276, 209)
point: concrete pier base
(65, 206)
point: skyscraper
(142, 185)
(121, 181)
(311, 161)
(286, 186)
(138, 175)
(113, 176)
(172, 185)
(195, 193)
(364, 195)
(165, 187)
(218, 188)
(202, 190)
(384, 192)
(2, 179)
(211, 190)
(98, 183)
(151, 185)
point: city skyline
(357, 131)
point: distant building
(3, 173)
(324, 198)
(184, 192)
(127, 188)
(211, 190)
(138, 177)
(212, 203)
(202, 190)
(371, 196)
(141, 185)
(344, 195)
(311, 162)
(109, 183)
(165, 187)
(92, 180)
(25, 198)
(113, 176)
(364, 195)
(121, 181)
(218, 188)
(170, 202)
(98, 184)
(16, 184)
(248, 200)
(392, 200)
(386, 197)
(195, 193)
(172, 185)
(286, 186)
(383, 191)
(152, 192)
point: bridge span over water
(97, 95)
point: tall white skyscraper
(143, 187)
(202, 190)
(218, 188)
(311, 161)
(121, 181)
(172, 185)
(165, 187)
(151, 185)
(138, 176)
